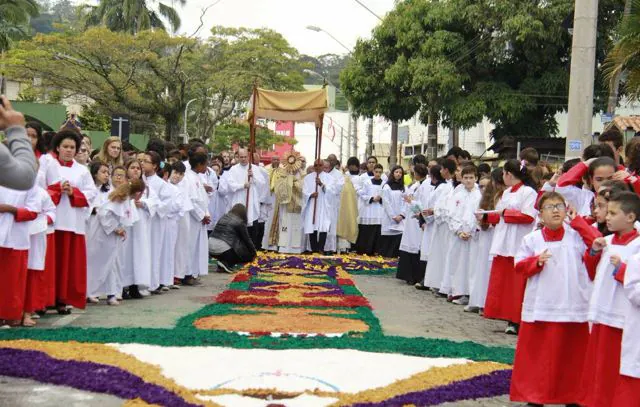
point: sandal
(27, 322)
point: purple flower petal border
(89, 376)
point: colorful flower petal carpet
(288, 331)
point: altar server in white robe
(392, 221)
(241, 180)
(182, 250)
(410, 268)
(316, 202)
(106, 235)
(463, 225)
(164, 195)
(174, 213)
(437, 217)
(266, 205)
(198, 220)
(135, 259)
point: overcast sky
(344, 19)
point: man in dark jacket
(230, 243)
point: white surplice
(198, 242)
(336, 192)
(164, 205)
(322, 221)
(182, 251)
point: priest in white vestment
(241, 180)
(316, 195)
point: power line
(368, 9)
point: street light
(318, 29)
(185, 136)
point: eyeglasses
(551, 207)
(83, 150)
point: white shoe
(511, 330)
(145, 293)
(113, 301)
(165, 288)
(174, 287)
(464, 300)
(471, 308)
(35, 315)
(93, 300)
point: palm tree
(133, 16)
(624, 59)
(14, 20)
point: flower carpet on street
(289, 330)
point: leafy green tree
(54, 15)
(93, 119)
(14, 20)
(328, 66)
(133, 16)
(238, 133)
(624, 59)
(468, 59)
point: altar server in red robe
(17, 208)
(608, 306)
(71, 195)
(554, 331)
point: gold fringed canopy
(308, 106)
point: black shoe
(134, 292)
(62, 309)
(41, 312)
(125, 294)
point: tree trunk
(432, 137)
(355, 136)
(614, 84)
(369, 149)
(393, 151)
(171, 127)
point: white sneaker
(471, 308)
(165, 288)
(511, 330)
(174, 287)
(93, 300)
(145, 293)
(464, 300)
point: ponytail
(127, 190)
(519, 170)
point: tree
(55, 14)
(624, 59)
(93, 119)
(235, 59)
(146, 75)
(14, 20)
(238, 133)
(468, 59)
(133, 16)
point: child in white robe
(105, 238)
(371, 212)
(392, 220)
(199, 219)
(182, 252)
(101, 178)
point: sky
(344, 19)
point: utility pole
(341, 142)
(393, 151)
(583, 58)
(355, 136)
(349, 136)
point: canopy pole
(252, 140)
(318, 148)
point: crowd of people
(555, 253)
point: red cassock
(505, 292)
(50, 271)
(71, 269)
(35, 298)
(13, 272)
(602, 366)
(548, 362)
(627, 392)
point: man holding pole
(316, 193)
(243, 184)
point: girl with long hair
(111, 152)
(106, 234)
(513, 219)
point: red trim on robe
(14, 282)
(627, 391)
(549, 361)
(493, 218)
(506, 291)
(591, 262)
(71, 269)
(55, 192)
(49, 220)
(619, 276)
(624, 239)
(587, 232)
(529, 266)
(78, 200)
(601, 366)
(551, 235)
(634, 182)
(517, 217)
(38, 154)
(516, 187)
(574, 175)
(537, 204)
(24, 215)
(65, 163)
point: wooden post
(318, 148)
(252, 139)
